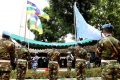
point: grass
(93, 72)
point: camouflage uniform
(110, 67)
(23, 56)
(108, 50)
(7, 58)
(80, 65)
(53, 64)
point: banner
(83, 29)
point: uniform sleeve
(99, 49)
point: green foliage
(62, 18)
(95, 12)
(107, 11)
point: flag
(34, 23)
(41, 4)
(83, 29)
(33, 9)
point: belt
(108, 61)
(53, 62)
(80, 60)
(22, 60)
(5, 61)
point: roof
(42, 45)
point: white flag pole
(75, 22)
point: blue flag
(83, 29)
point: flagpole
(21, 20)
(75, 22)
(26, 28)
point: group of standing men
(108, 50)
(11, 58)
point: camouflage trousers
(53, 70)
(80, 69)
(5, 69)
(21, 69)
(110, 70)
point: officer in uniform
(80, 65)
(53, 65)
(7, 57)
(108, 50)
(23, 57)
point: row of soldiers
(80, 56)
(11, 58)
(108, 50)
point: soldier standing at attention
(53, 65)
(7, 57)
(80, 65)
(23, 56)
(108, 50)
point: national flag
(35, 24)
(83, 29)
(33, 9)
(41, 4)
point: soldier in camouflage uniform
(7, 57)
(81, 56)
(23, 56)
(108, 50)
(53, 65)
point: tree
(107, 11)
(62, 18)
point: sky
(12, 16)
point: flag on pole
(83, 29)
(35, 24)
(32, 8)
(41, 4)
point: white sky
(12, 15)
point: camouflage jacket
(23, 53)
(105, 48)
(7, 50)
(54, 55)
(80, 53)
